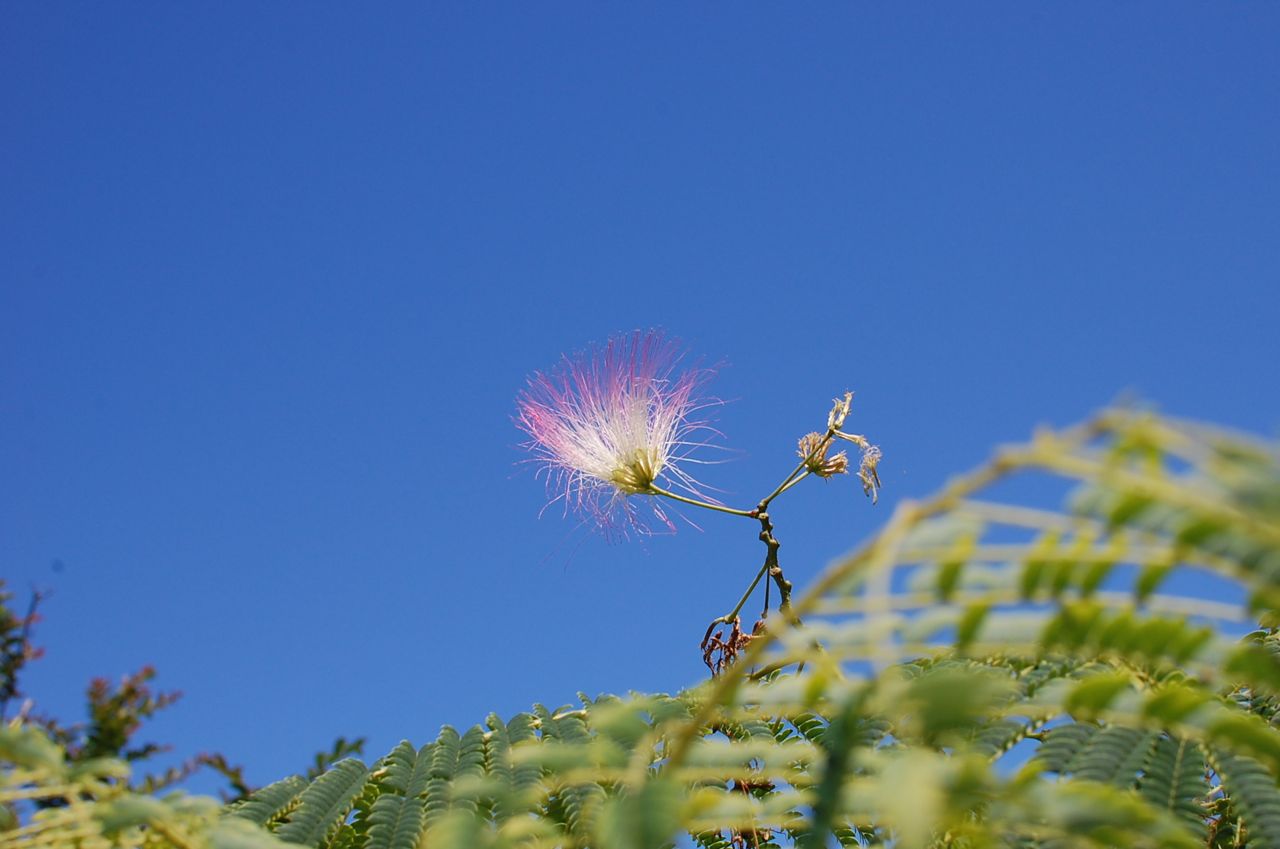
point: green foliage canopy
(980, 673)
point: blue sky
(273, 275)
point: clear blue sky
(273, 274)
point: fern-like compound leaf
(444, 762)
(396, 822)
(395, 817)
(271, 802)
(324, 805)
(1114, 755)
(1174, 779)
(887, 707)
(1063, 744)
(1252, 790)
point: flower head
(615, 422)
(813, 449)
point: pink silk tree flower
(615, 422)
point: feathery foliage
(47, 800)
(979, 674)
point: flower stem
(793, 482)
(785, 485)
(796, 474)
(654, 490)
(742, 602)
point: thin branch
(737, 608)
(791, 479)
(654, 490)
(907, 516)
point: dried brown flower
(867, 473)
(813, 450)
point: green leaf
(396, 822)
(31, 748)
(1174, 779)
(643, 819)
(397, 817)
(323, 806)
(271, 802)
(232, 833)
(1252, 789)
(1096, 693)
(1063, 744)
(1115, 755)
